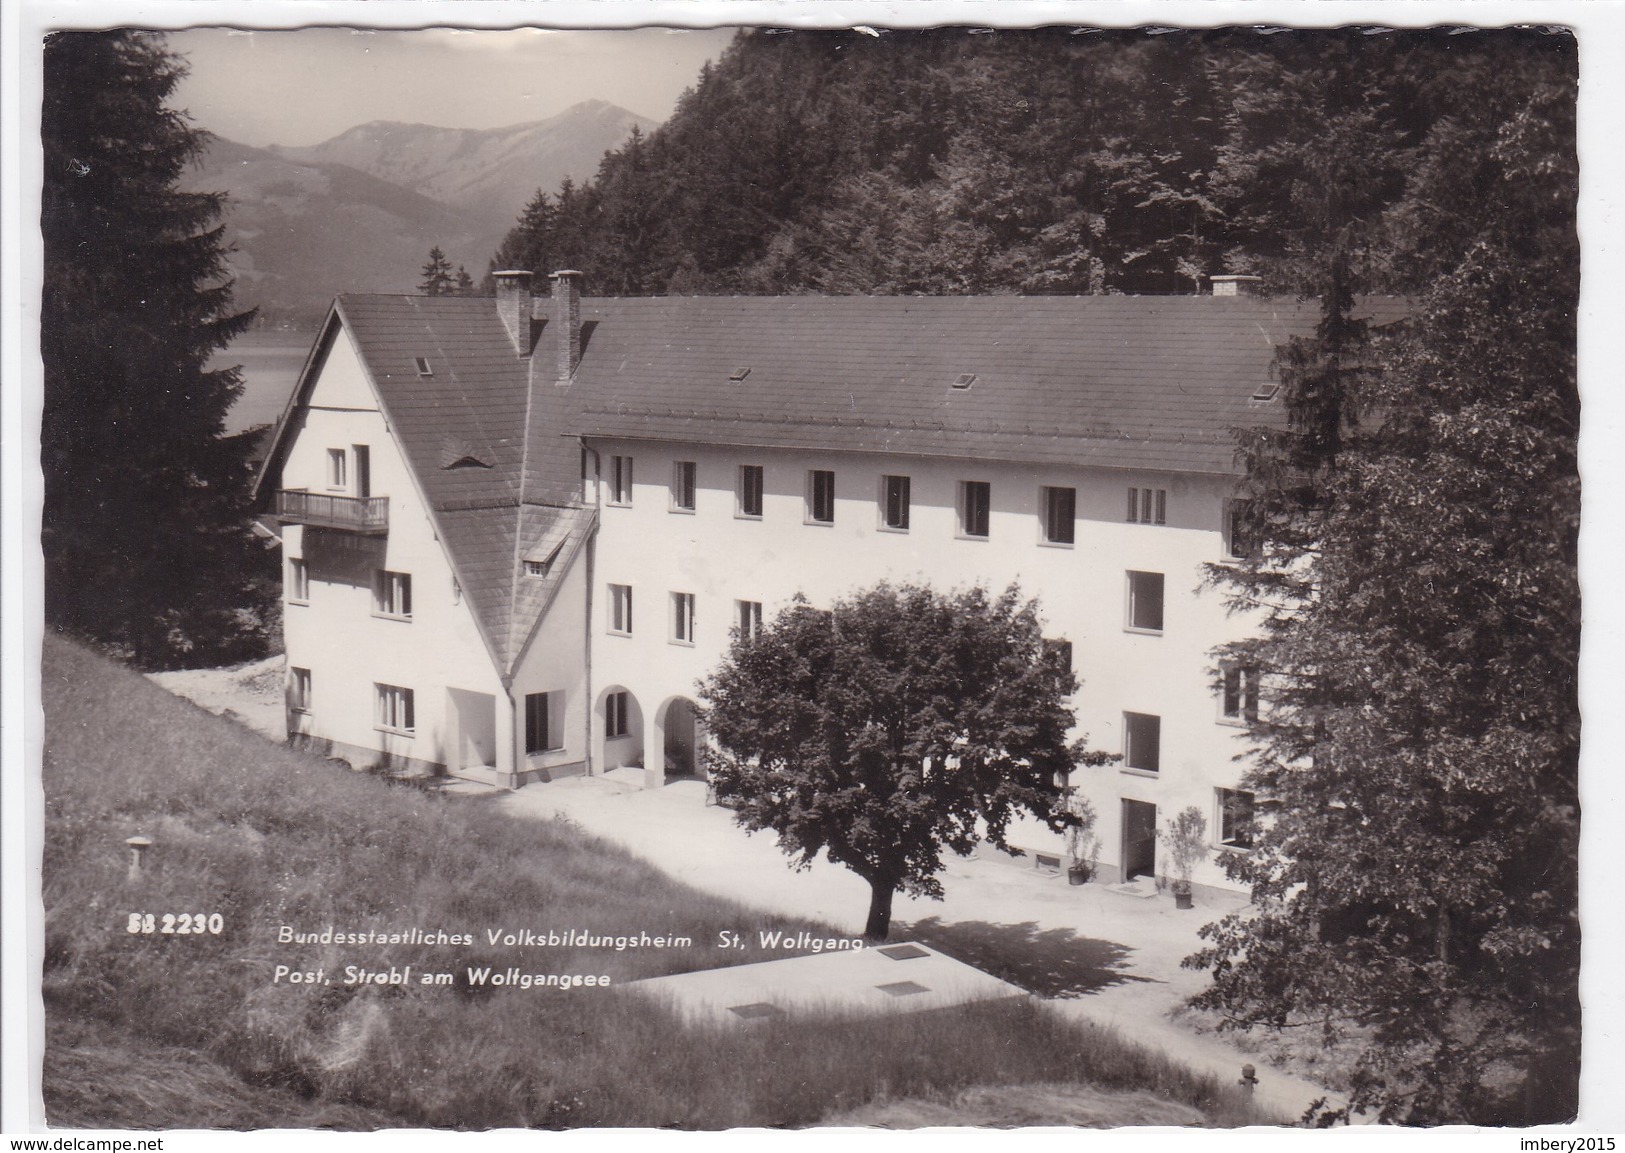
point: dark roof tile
(1125, 381)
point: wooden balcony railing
(360, 514)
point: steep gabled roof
(455, 395)
(1122, 381)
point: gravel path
(249, 694)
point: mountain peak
(359, 211)
(593, 108)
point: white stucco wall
(336, 635)
(721, 557)
(555, 662)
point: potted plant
(1082, 843)
(1186, 838)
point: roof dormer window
(541, 567)
(964, 380)
(424, 368)
(1265, 392)
(739, 374)
(460, 452)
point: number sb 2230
(179, 924)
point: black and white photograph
(744, 568)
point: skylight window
(739, 374)
(1266, 392)
(964, 380)
(423, 367)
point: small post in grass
(138, 854)
(1249, 1079)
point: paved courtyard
(1095, 954)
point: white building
(518, 534)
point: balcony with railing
(359, 514)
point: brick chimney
(513, 306)
(1236, 285)
(567, 321)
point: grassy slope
(158, 1031)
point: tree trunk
(880, 895)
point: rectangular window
(975, 502)
(820, 496)
(1148, 505)
(395, 710)
(1060, 514)
(1238, 535)
(620, 609)
(1145, 601)
(392, 594)
(298, 581)
(749, 492)
(620, 481)
(750, 619)
(894, 502)
(1235, 821)
(337, 468)
(542, 730)
(615, 710)
(299, 690)
(682, 618)
(1240, 694)
(682, 486)
(1142, 742)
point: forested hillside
(1042, 161)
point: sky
(304, 86)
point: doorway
(679, 738)
(363, 470)
(1139, 839)
(475, 715)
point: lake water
(271, 362)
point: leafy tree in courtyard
(1414, 881)
(437, 275)
(145, 519)
(901, 722)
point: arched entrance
(680, 749)
(619, 720)
(672, 743)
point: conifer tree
(1414, 876)
(437, 276)
(145, 519)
